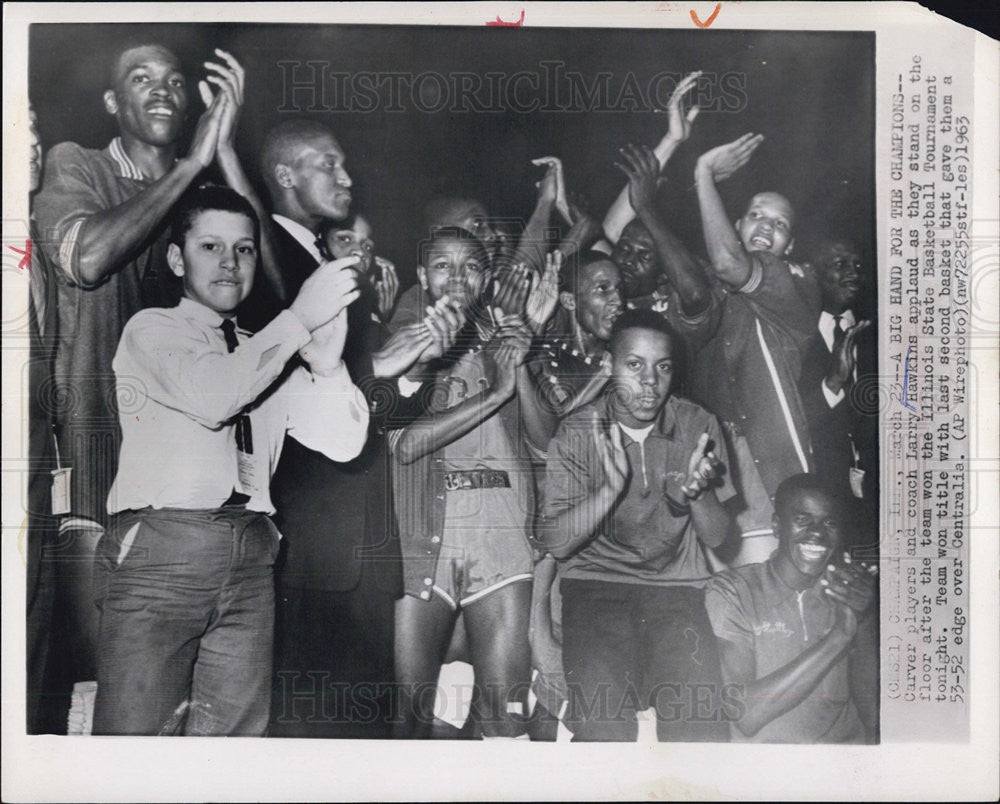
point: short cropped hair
(440, 207)
(640, 319)
(804, 482)
(113, 59)
(281, 141)
(203, 199)
(458, 234)
(569, 275)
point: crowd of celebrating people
(276, 495)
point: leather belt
(476, 479)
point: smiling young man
(184, 573)
(465, 500)
(748, 373)
(797, 633)
(633, 494)
(102, 214)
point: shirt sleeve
(725, 610)
(568, 473)
(785, 293)
(182, 369)
(697, 330)
(326, 414)
(68, 197)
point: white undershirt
(639, 436)
(636, 435)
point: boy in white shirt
(184, 575)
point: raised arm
(531, 248)
(230, 78)
(107, 238)
(622, 211)
(641, 168)
(184, 373)
(730, 260)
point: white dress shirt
(827, 325)
(179, 390)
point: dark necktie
(838, 331)
(244, 436)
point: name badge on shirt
(249, 475)
(60, 490)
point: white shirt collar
(206, 315)
(827, 324)
(302, 235)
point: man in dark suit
(340, 571)
(844, 436)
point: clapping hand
(511, 288)
(842, 359)
(612, 454)
(544, 296)
(230, 78)
(386, 287)
(703, 469)
(850, 583)
(552, 187)
(643, 172)
(680, 122)
(723, 161)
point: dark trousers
(629, 647)
(187, 619)
(334, 663)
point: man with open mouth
(797, 634)
(748, 373)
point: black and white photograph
(389, 384)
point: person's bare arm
(770, 697)
(640, 167)
(622, 211)
(531, 248)
(108, 238)
(730, 260)
(435, 430)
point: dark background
(811, 94)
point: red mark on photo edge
(499, 23)
(25, 255)
(698, 22)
